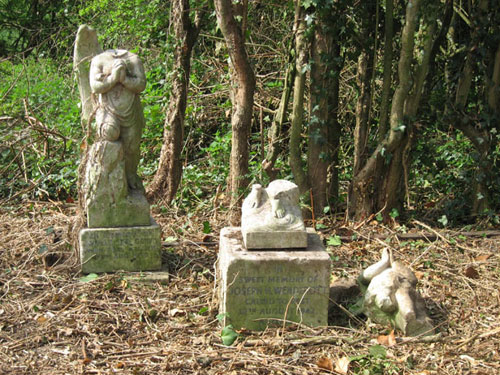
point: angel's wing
(86, 47)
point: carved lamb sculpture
(391, 297)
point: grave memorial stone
(121, 233)
(272, 268)
(390, 297)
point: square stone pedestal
(262, 288)
(121, 249)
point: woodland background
(385, 113)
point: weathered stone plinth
(261, 288)
(121, 249)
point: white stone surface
(391, 297)
(262, 288)
(271, 217)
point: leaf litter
(55, 320)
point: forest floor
(53, 321)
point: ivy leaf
(394, 213)
(334, 241)
(443, 220)
(378, 351)
(228, 335)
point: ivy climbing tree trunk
(387, 80)
(366, 197)
(335, 128)
(363, 104)
(319, 155)
(320, 176)
(243, 92)
(168, 175)
(301, 51)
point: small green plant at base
(376, 362)
(394, 213)
(334, 241)
(228, 335)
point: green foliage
(334, 241)
(122, 23)
(44, 28)
(40, 130)
(228, 335)
(205, 173)
(376, 362)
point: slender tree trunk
(243, 92)
(168, 175)
(364, 82)
(334, 131)
(387, 80)
(274, 148)
(301, 49)
(362, 129)
(318, 148)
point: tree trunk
(318, 147)
(387, 80)
(334, 130)
(368, 197)
(243, 92)
(362, 129)
(168, 175)
(301, 49)
(274, 148)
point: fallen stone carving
(390, 297)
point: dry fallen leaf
(325, 363)
(471, 273)
(389, 340)
(175, 312)
(419, 275)
(483, 258)
(342, 365)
